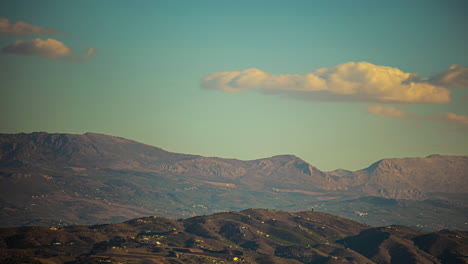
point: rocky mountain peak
(81, 168)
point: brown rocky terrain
(250, 236)
(60, 179)
(413, 178)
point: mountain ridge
(96, 173)
(101, 135)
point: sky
(340, 84)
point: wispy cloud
(456, 76)
(385, 111)
(352, 81)
(451, 118)
(392, 112)
(51, 49)
(89, 53)
(22, 28)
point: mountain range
(62, 179)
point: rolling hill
(250, 236)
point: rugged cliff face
(396, 178)
(92, 177)
(413, 178)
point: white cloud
(352, 81)
(22, 28)
(51, 49)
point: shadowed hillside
(250, 236)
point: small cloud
(456, 76)
(47, 48)
(352, 82)
(385, 111)
(451, 118)
(51, 49)
(89, 53)
(447, 118)
(22, 28)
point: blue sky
(144, 78)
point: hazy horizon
(338, 84)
